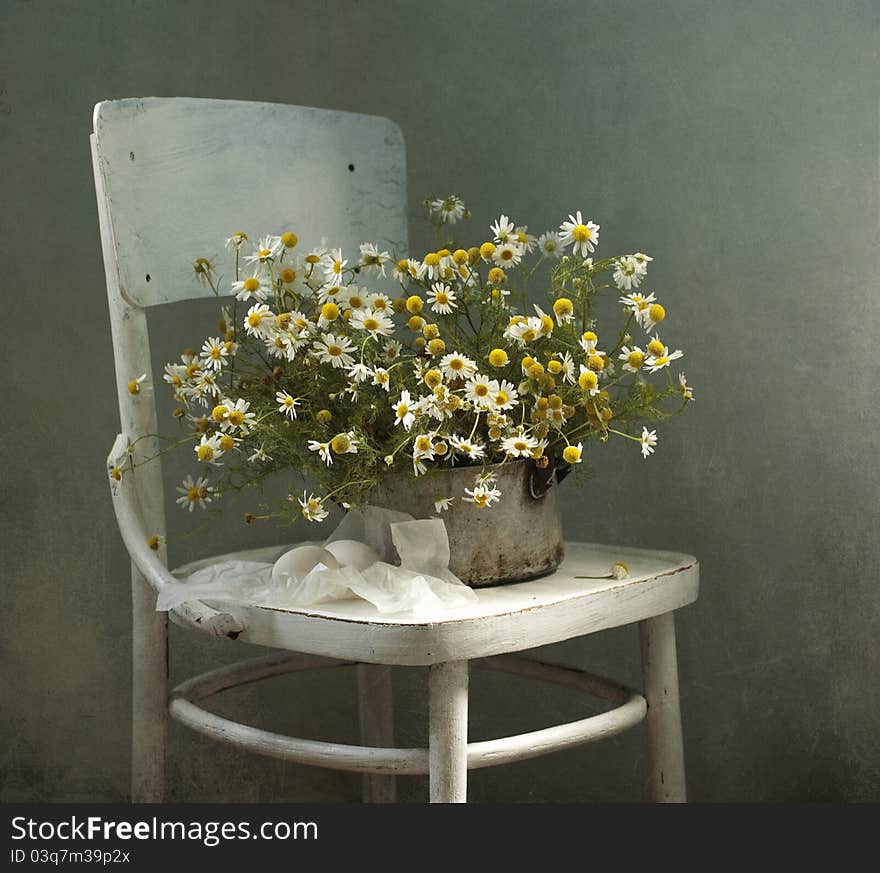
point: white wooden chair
(171, 169)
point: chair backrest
(180, 175)
(175, 176)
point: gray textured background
(736, 143)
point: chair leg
(149, 694)
(376, 707)
(665, 743)
(448, 722)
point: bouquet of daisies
(344, 369)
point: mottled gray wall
(736, 143)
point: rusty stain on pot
(517, 538)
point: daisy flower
(519, 445)
(334, 264)
(344, 444)
(238, 416)
(359, 373)
(332, 350)
(208, 450)
(423, 447)
(524, 330)
(379, 302)
(507, 255)
(403, 410)
(175, 375)
(259, 454)
(450, 209)
(312, 507)
(588, 380)
(659, 355)
(431, 266)
(503, 230)
(637, 304)
(648, 441)
(633, 358)
(457, 366)
(441, 504)
(323, 449)
(642, 260)
(391, 350)
(286, 404)
(626, 273)
(264, 253)
(482, 495)
(382, 378)
(567, 370)
(195, 492)
(236, 241)
(373, 323)
(352, 297)
(442, 298)
(133, 386)
(526, 241)
(472, 449)
(259, 320)
(581, 236)
(572, 454)
(214, 352)
(685, 389)
(479, 391)
(372, 258)
(550, 244)
(504, 396)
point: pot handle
(541, 480)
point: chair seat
(504, 618)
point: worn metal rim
(630, 709)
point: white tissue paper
(359, 559)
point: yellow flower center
(587, 380)
(554, 366)
(264, 254)
(656, 312)
(498, 357)
(662, 361)
(255, 319)
(635, 359)
(205, 452)
(227, 443)
(380, 303)
(414, 304)
(329, 311)
(481, 389)
(460, 257)
(219, 412)
(581, 233)
(487, 249)
(423, 444)
(288, 275)
(571, 454)
(546, 324)
(402, 410)
(456, 364)
(355, 302)
(215, 353)
(433, 378)
(436, 346)
(521, 445)
(506, 254)
(501, 398)
(441, 297)
(529, 335)
(589, 337)
(596, 362)
(340, 443)
(563, 306)
(251, 284)
(134, 387)
(193, 494)
(334, 351)
(432, 260)
(371, 324)
(289, 239)
(312, 259)
(656, 348)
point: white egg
(298, 561)
(351, 553)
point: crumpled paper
(421, 582)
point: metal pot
(519, 537)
